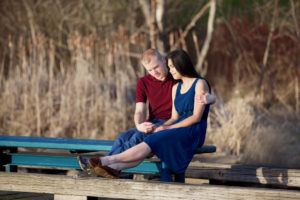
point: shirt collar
(169, 77)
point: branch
(146, 8)
(152, 25)
(297, 94)
(267, 50)
(210, 28)
(295, 19)
(31, 21)
(192, 23)
(160, 11)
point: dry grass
(244, 128)
(230, 124)
(81, 100)
(272, 146)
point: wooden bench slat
(69, 144)
(206, 149)
(56, 143)
(70, 162)
(53, 161)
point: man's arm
(205, 98)
(140, 120)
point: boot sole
(103, 173)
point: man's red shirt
(159, 95)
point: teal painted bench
(11, 157)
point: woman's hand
(161, 128)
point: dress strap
(178, 88)
(194, 84)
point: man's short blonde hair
(150, 53)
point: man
(156, 87)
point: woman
(176, 141)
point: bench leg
(11, 168)
(2, 159)
(165, 174)
(180, 178)
(6, 159)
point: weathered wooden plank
(245, 173)
(68, 197)
(100, 187)
(11, 195)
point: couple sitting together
(178, 109)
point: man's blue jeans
(130, 138)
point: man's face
(156, 68)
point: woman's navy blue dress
(176, 147)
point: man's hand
(161, 128)
(205, 98)
(146, 127)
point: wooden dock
(64, 187)
(280, 177)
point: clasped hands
(148, 127)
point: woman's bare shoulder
(202, 85)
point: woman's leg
(122, 166)
(134, 154)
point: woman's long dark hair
(183, 64)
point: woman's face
(176, 75)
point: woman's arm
(174, 115)
(201, 87)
